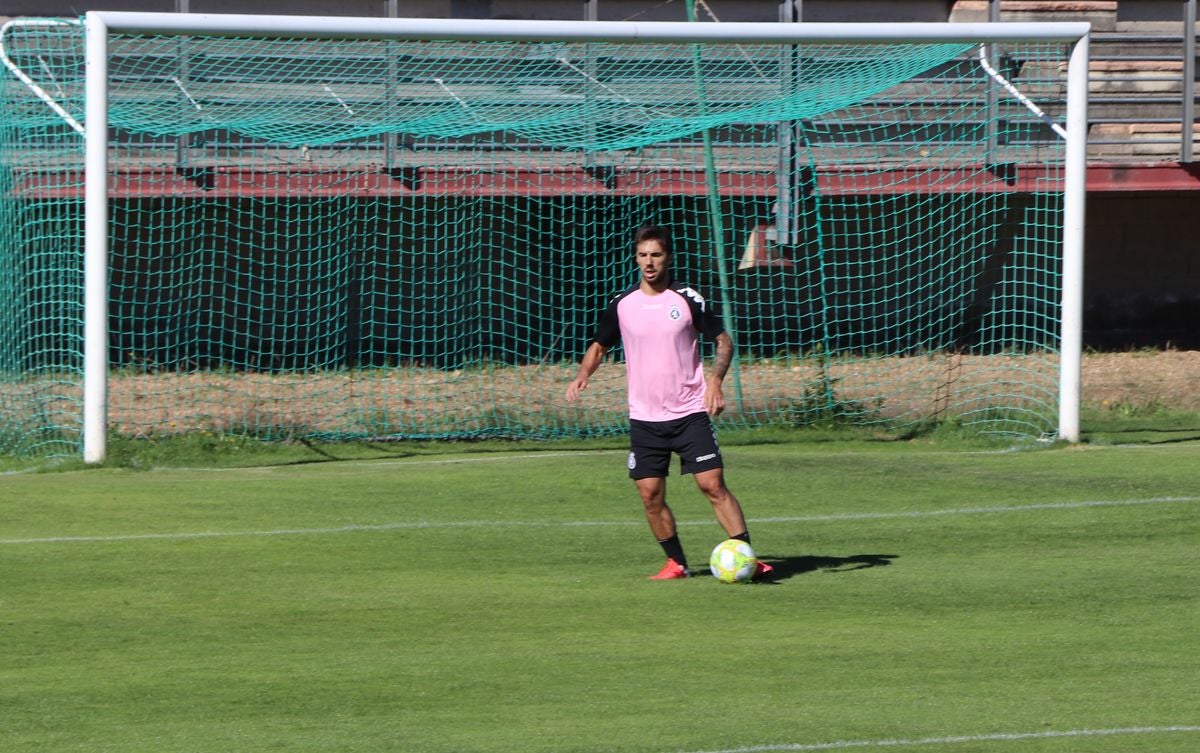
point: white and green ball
(733, 561)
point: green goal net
(385, 237)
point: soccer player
(659, 322)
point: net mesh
(389, 238)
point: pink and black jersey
(662, 355)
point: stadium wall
(1142, 270)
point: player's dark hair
(654, 233)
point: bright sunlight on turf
(1037, 601)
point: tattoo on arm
(723, 356)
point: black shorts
(652, 442)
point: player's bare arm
(587, 366)
(714, 397)
(724, 355)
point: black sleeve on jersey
(608, 331)
(704, 315)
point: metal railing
(1142, 104)
(1142, 84)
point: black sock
(743, 536)
(674, 550)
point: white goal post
(100, 24)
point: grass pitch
(1038, 601)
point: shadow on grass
(1147, 436)
(787, 567)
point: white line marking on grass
(976, 510)
(412, 525)
(428, 525)
(1001, 737)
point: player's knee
(653, 498)
(712, 485)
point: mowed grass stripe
(426, 525)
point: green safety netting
(391, 238)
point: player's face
(652, 260)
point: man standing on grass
(670, 402)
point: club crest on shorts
(632, 461)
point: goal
(300, 227)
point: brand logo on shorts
(675, 313)
(632, 461)
(709, 456)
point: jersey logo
(675, 312)
(699, 299)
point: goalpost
(303, 227)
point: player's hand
(714, 398)
(577, 385)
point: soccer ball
(733, 561)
